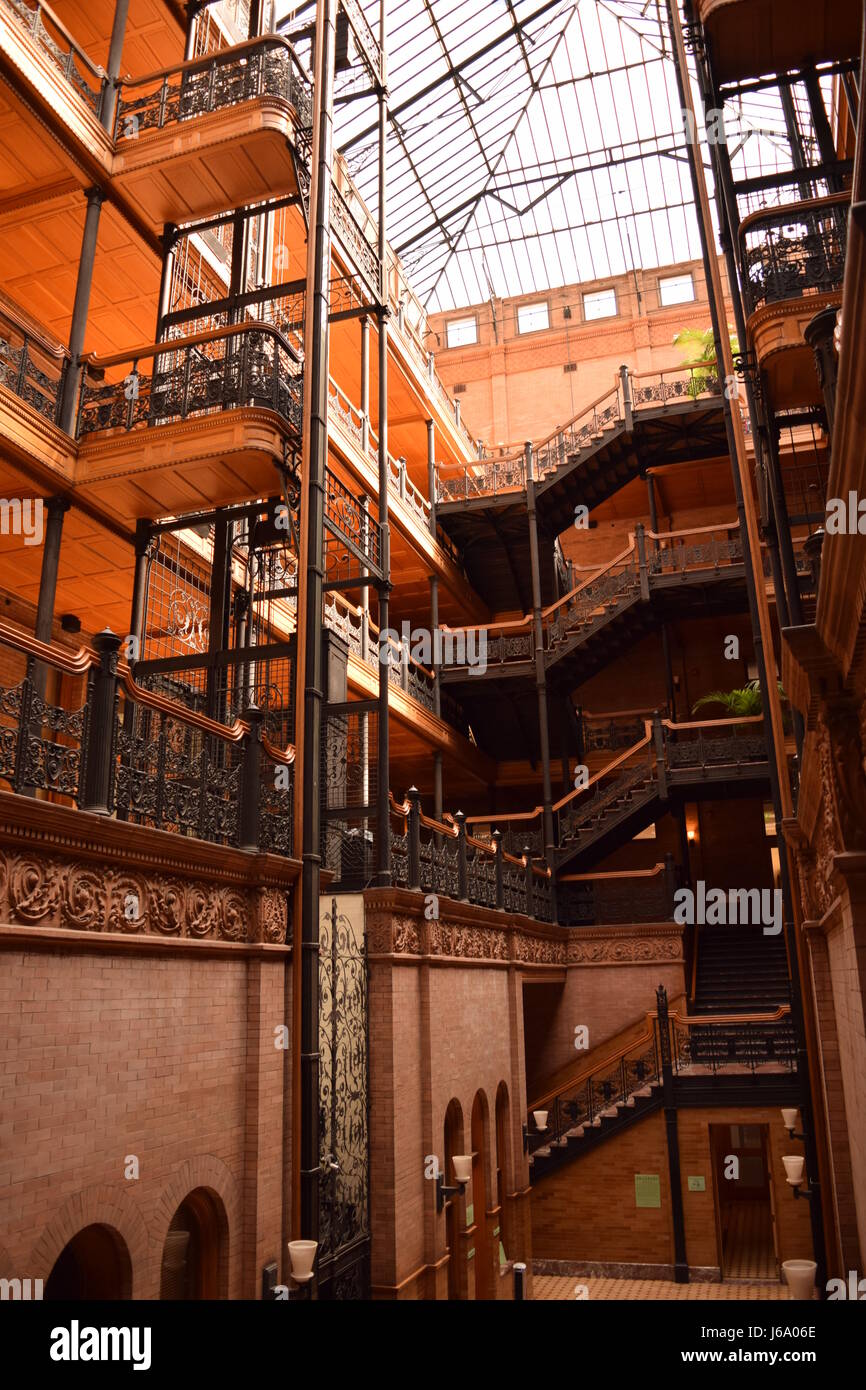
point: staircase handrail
(651, 1019)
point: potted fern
(745, 702)
(700, 348)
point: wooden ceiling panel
(153, 36)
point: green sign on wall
(647, 1190)
(697, 1185)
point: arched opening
(92, 1267)
(454, 1206)
(502, 1170)
(483, 1253)
(194, 1255)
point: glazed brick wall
(585, 1211)
(605, 998)
(437, 1033)
(107, 1054)
(846, 949)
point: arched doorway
(502, 1169)
(194, 1256)
(92, 1267)
(454, 1206)
(483, 1253)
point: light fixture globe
(540, 1118)
(462, 1167)
(302, 1253)
(794, 1165)
(800, 1277)
(789, 1118)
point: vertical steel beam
(83, 286)
(383, 876)
(56, 508)
(312, 523)
(540, 673)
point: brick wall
(585, 1211)
(168, 1056)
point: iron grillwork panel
(344, 1202)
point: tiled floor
(559, 1288)
(748, 1241)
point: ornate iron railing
(435, 857)
(248, 365)
(666, 749)
(794, 251)
(55, 41)
(717, 1044)
(629, 577)
(642, 895)
(121, 749)
(29, 369)
(263, 67)
(669, 1046)
(615, 409)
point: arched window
(93, 1266)
(194, 1256)
(480, 1201)
(503, 1174)
(454, 1207)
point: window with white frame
(676, 289)
(462, 332)
(532, 318)
(601, 304)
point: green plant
(746, 702)
(700, 347)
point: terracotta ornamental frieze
(396, 926)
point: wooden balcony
(751, 37)
(217, 132)
(203, 427)
(793, 263)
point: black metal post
(98, 767)
(365, 385)
(413, 796)
(821, 125)
(540, 674)
(316, 384)
(681, 1264)
(112, 69)
(251, 779)
(462, 863)
(86, 260)
(383, 876)
(138, 614)
(431, 474)
(500, 887)
(56, 508)
(527, 880)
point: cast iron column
(316, 384)
(112, 70)
(86, 261)
(540, 673)
(431, 475)
(56, 508)
(383, 837)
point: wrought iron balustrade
(120, 749)
(58, 45)
(640, 896)
(714, 1045)
(580, 1103)
(490, 478)
(249, 365)
(263, 67)
(435, 857)
(31, 371)
(794, 251)
(580, 433)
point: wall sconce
(462, 1165)
(540, 1118)
(795, 1176)
(302, 1253)
(789, 1120)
